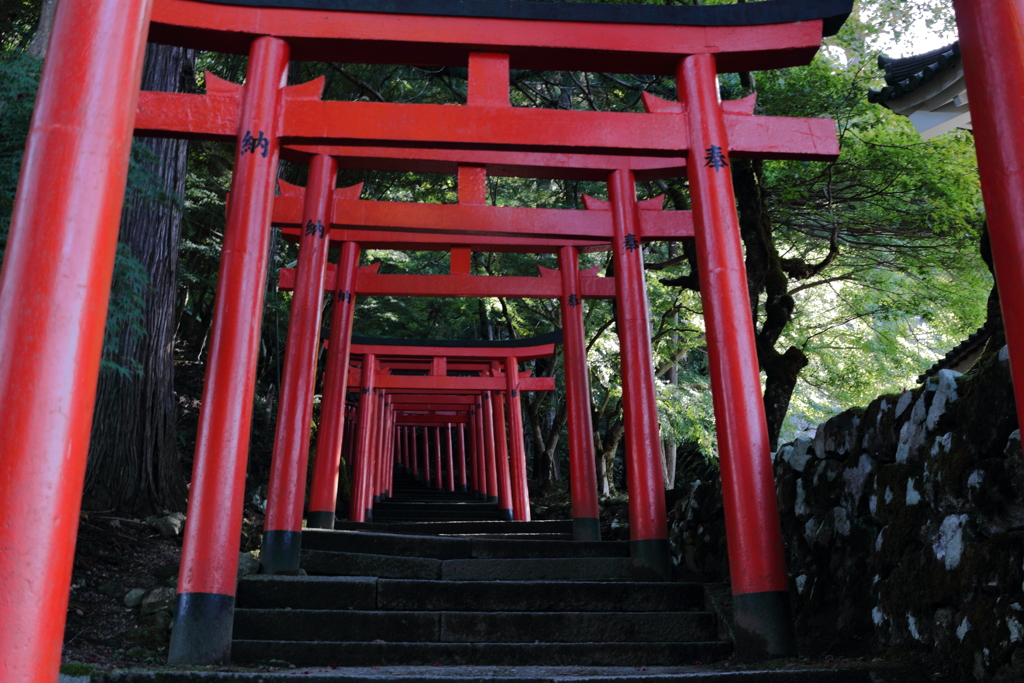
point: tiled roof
(906, 74)
(964, 349)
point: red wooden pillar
(209, 556)
(756, 562)
(501, 455)
(414, 455)
(388, 452)
(53, 303)
(992, 45)
(586, 514)
(436, 482)
(393, 454)
(323, 490)
(425, 456)
(399, 446)
(648, 521)
(474, 451)
(359, 506)
(286, 492)
(487, 426)
(462, 459)
(449, 484)
(389, 464)
(520, 489)
(379, 446)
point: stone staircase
(413, 500)
(440, 592)
(446, 583)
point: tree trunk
(41, 39)
(134, 465)
(994, 317)
(607, 449)
(765, 273)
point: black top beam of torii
(832, 12)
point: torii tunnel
(57, 270)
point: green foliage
(20, 75)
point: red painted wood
(209, 556)
(469, 286)
(490, 446)
(429, 420)
(425, 455)
(454, 242)
(501, 451)
(461, 457)
(448, 41)
(519, 164)
(54, 290)
(756, 561)
(323, 491)
(436, 481)
(308, 121)
(991, 40)
(640, 411)
(379, 446)
(358, 503)
(582, 466)
(488, 79)
(414, 453)
(392, 458)
(474, 451)
(523, 353)
(520, 489)
(286, 491)
(449, 384)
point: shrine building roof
(906, 74)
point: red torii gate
(511, 493)
(472, 216)
(50, 350)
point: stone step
(527, 674)
(319, 653)
(328, 563)
(564, 674)
(474, 627)
(455, 528)
(368, 593)
(417, 506)
(424, 515)
(448, 548)
(525, 537)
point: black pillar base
(586, 529)
(650, 560)
(764, 626)
(320, 520)
(369, 515)
(376, 499)
(461, 488)
(491, 499)
(202, 629)
(506, 515)
(279, 553)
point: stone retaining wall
(904, 527)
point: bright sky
(920, 39)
